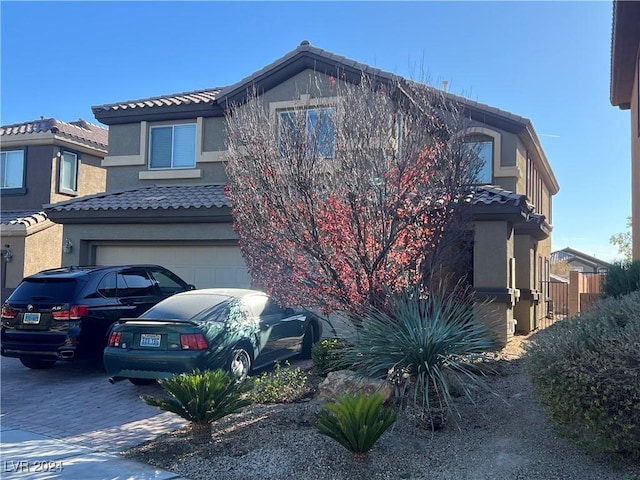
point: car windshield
(192, 307)
(60, 290)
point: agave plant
(356, 421)
(423, 342)
(201, 397)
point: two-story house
(625, 93)
(165, 200)
(42, 162)
(579, 261)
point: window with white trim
(480, 147)
(68, 179)
(172, 146)
(318, 125)
(12, 169)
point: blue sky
(547, 61)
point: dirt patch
(503, 435)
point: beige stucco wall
(15, 267)
(33, 250)
(524, 310)
(43, 249)
(92, 178)
(493, 247)
(124, 139)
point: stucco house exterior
(43, 161)
(625, 94)
(579, 261)
(170, 208)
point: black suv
(66, 313)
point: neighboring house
(625, 93)
(580, 262)
(43, 162)
(165, 199)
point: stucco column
(524, 311)
(493, 247)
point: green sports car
(235, 329)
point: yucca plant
(356, 421)
(422, 342)
(201, 397)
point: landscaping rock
(345, 382)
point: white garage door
(202, 266)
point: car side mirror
(289, 312)
(191, 287)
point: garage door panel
(200, 265)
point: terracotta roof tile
(24, 217)
(175, 99)
(88, 133)
(488, 194)
(149, 198)
(208, 196)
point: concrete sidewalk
(26, 455)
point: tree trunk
(201, 432)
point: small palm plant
(356, 421)
(201, 397)
(423, 342)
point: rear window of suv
(41, 289)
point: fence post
(574, 293)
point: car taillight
(8, 312)
(75, 312)
(193, 341)
(114, 339)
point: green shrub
(622, 278)
(423, 343)
(201, 397)
(283, 385)
(356, 421)
(586, 374)
(327, 357)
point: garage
(204, 266)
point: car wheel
(142, 381)
(37, 364)
(240, 363)
(307, 342)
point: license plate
(31, 318)
(148, 340)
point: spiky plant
(423, 342)
(201, 397)
(356, 421)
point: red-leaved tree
(358, 190)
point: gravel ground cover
(504, 435)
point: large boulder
(346, 382)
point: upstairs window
(12, 170)
(68, 180)
(316, 124)
(480, 147)
(172, 146)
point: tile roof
(24, 217)
(212, 96)
(208, 196)
(148, 198)
(489, 194)
(304, 48)
(196, 97)
(81, 130)
(573, 254)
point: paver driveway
(75, 403)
